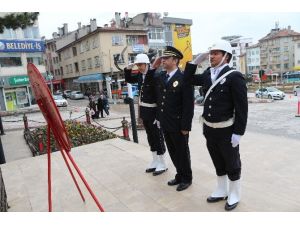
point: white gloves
(130, 66)
(199, 58)
(235, 140)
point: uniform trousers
(155, 137)
(226, 159)
(179, 152)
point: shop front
(16, 93)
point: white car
(60, 101)
(76, 95)
(296, 90)
(270, 92)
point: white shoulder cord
(215, 83)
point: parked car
(67, 93)
(60, 101)
(76, 95)
(270, 93)
(296, 90)
(135, 91)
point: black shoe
(215, 199)
(183, 186)
(155, 173)
(150, 170)
(173, 182)
(230, 207)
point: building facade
(277, 50)
(297, 54)
(239, 45)
(17, 48)
(90, 51)
(253, 59)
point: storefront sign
(18, 80)
(21, 46)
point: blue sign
(138, 48)
(21, 46)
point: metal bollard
(1, 127)
(2, 156)
(125, 129)
(25, 122)
(87, 115)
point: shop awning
(90, 78)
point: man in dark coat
(224, 119)
(148, 111)
(176, 109)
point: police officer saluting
(176, 110)
(148, 111)
(224, 120)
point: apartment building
(253, 59)
(297, 54)
(239, 45)
(53, 71)
(17, 48)
(87, 55)
(277, 50)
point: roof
(280, 33)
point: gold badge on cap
(175, 83)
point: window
(35, 60)
(70, 68)
(131, 40)
(233, 51)
(67, 69)
(89, 63)
(117, 40)
(286, 66)
(87, 45)
(74, 51)
(156, 33)
(83, 65)
(95, 42)
(298, 62)
(76, 67)
(298, 45)
(97, 61)
(10, 61)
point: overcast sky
(206, 27)
(211, 19)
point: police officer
(224, 119)
(176, 110)
(148, 111)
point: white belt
(222, 124)
(150, 105)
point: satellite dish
(166, 13)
